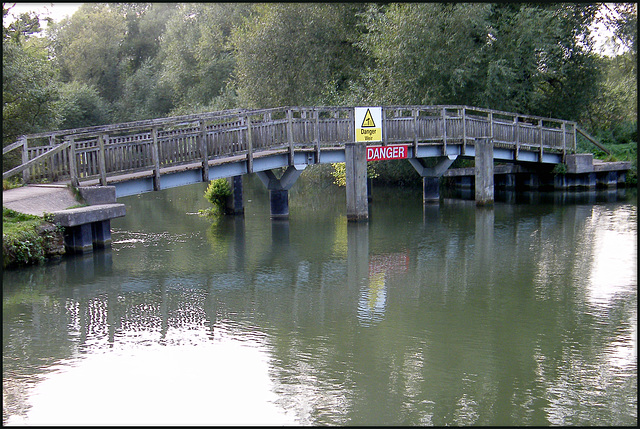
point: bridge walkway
(161, 153)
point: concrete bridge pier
(431, 176)
(506, 181)
(484, 172)
(355, 155)
(279, 189)
(234, 202)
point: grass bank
(28, 239)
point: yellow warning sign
(368, 120)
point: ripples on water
(524, 314)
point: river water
(520, 314)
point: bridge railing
(102, 151)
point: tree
(425, 53)
(144, 95)
(295, 54)
(197, 61)
(80, 105)
(517, 57)
(87, 48)
(28, 87)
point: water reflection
(180, 384)
(520, 314)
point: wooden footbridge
(162, 153)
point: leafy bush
(217, 193)
(22, 244)
(622, 133)
(339, 172)
(15, 182)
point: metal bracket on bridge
(285, 182)
(443, 163)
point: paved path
(38, 199)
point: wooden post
(351, 125)
(25, 157)
(464, 131)
(517, 139)
(101, 160)
(444, 131)
(73, 168)
(155, 151)
(491, 126)
(54, 159)
(204, 151)
(564, 140)
(414, 114)
(384, 128)
(290, 134)
(249, 146)
(540, 138)
(316, 135)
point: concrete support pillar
(430, 189)
(531, 181)
(279, 203)
(235, 205)
(510, 181)
(101, 232)
(79, 239)
(279, 189)
(607, 179)
(622, 178)
(560, 182)
(356, 178)
(465, 182)
(484, 172)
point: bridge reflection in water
(336, 334)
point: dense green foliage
(114, 62)
(217, 193)
(22, 241)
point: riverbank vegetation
(28, 239)
(116, 62)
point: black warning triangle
(368, 120)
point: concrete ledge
(579, 163)
(601, 166)
(93, 195)
(87, 215)
(497, 170)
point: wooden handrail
(37, 159)
(12, 146)
(592, 140)
(254, 125)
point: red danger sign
(381, 153)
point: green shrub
(15, 182)
(22, 243)
(217, 193)
(339, 172)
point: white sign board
(368, 124)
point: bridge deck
(117, 152)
